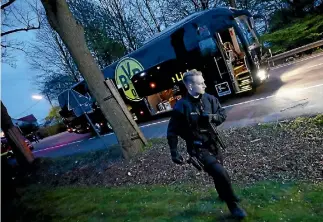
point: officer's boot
(236, 210)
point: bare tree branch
(162, 10)
(142, 15)
(22, 16)
(152, 16)
(7, 4)
(66, 59)
(20, 30)
(196, 4)
(13, 47)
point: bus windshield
(247, 31)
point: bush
(52, 130)
(28, 128)
(301, 32)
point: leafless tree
(179, 9)
(17, 16)
(139, 9)
(123, 24)
(49, 57)
(233, 3)
(262, 10)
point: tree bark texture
(17, 142)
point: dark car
(6, 148)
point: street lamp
(37, 97)
(40, 97)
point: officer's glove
(177, 158)
(211, 118)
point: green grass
(94, 158)
(265, 201)
(153, 141)
(307, 125)
(300, 122)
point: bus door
(214, 68)
(236, 60)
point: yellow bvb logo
(125, 70)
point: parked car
(6, 148)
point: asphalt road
(292, 90)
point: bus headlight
(262, 75)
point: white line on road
(292, 63)
(154, 123)
(250, 101)
(102, 136)
(57, 146)
(314, 66)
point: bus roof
(161, 42)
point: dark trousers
(213, 165)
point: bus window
(177, 42)
(207, 44)
(246, 30)
(190, 37)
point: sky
(17, 86)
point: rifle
(212, 128)
(217, 136)
(195, 162)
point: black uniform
(189, 122)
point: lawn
(268, 164)
(264, 201)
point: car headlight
(262, 74)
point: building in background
(30, 119)
(26, 124)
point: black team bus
(220, 42)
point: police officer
(190, 120)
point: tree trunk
(143, 17)
(152, 16)
(61, 19)
(205, 4)
(19, 147)
(233, 3)
(124, 26)
(163, 13)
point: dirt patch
(282, 151)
